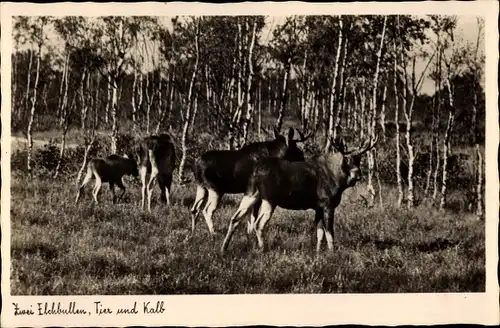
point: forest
(85, 87)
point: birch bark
(187, 119)
(34, 98)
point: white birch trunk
(269, 96)
(478, 162)
(187, 120)
(355, 113)
(303, 94)
(15, 78)
(408, 111)
(429, 171)
(382, 112)
(259, 112)
(108, 101)
(249, 112)
(341, 95)
(240, 73)
(396, 119)
(447, 144)
(64, 102)
(315, 107)
(478, 154)
(436, 132)
(379, 182)
(28, 82)
(60, 100)
(33, 103)
(195, 110)
(171, 98)
(435, 120)
(333, 92)
(479, 183)
(373, 110)
(132, 100)
(362, 116)
(114, 121)
(97, 101)
(83, 101)
(284, 93)
(148, 104)
(276, 95)
(409, 146)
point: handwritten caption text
(97, 308)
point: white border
(295, 310)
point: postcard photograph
(247, 153)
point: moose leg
(120, 185)
(97, 187)
(150, 188)
(112, 188)
(266, 211)
(320, 232)
(168, 187)
(154, 173)
(201, 196)
(86, 180)
(161, 183)
(143, 173)
(167, 196)
(164, 181)
(255, 214)
(245, 207)
(208, 211)
(329, 227)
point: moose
(220, 172)
(110, 169)
(157, 157)
(316, 185)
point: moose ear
(289, 138)
(125, 155)
(339, 144)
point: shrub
(46, 158)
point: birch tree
(447, 140)
(38, 37)
(118, 36)
(286, 49)
(396, 120)
(333, 87)
(187, 118)
(249, 110)
(411, 87)
(373, 109)
(477, 73)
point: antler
(304, 138)
(369, 144)
(339, 144)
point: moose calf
(110, 169)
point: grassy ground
(59, 248)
